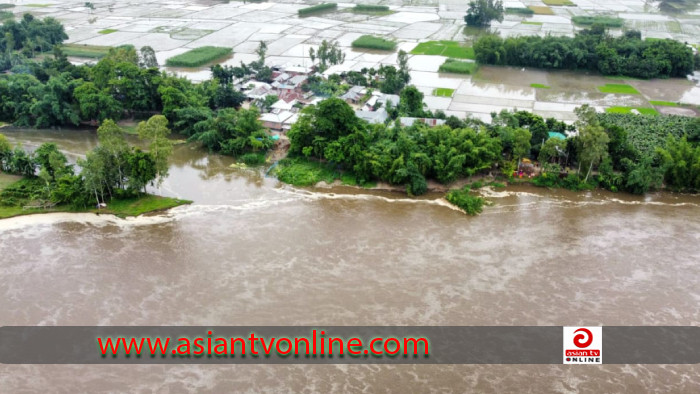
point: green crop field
(628, 110)
(519, 11)
(317, 8)
(663, 103)
(541, 10)
(107, 31)
(198, 57)
(617, 88)
(372, 42)
(531, 23)
(458, 67)
(607, 21)
(86, 51)
(451, 49)
(443, 92)
(539, 86)
(558, 2)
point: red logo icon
(583, 339)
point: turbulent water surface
(251, 251)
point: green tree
(155, 130)
(96, 105)
(682, 163)
(412, 102)
(553, 148)
(148, 57)
(482, 12)
(594, 140)
(112, 140)
(521, 143)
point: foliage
(317, 8)
(369, 7)
(451, 49)
(646, 133)
(481, 12)
(253, 159)
(373, 42)
(198, 56)
(233, 132)
(155, 131)
(681, 161)
(456, 66)
(328, 54)
(592, 49)
(28, 36)
(469, 203)
(300, 171)
(607, 21)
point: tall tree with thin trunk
(155, 130)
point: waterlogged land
(243, 254)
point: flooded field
(173, 27)
(251, 251)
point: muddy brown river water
(251, 251)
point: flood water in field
(251, 251)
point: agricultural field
(198, 57)
(317, 9)
(373, 42)
(663, 103)
(443, 92)
(559, 2)
(451, 49)
(540, 86)
(108, 31)
(606, 21)
(458, 67)
(617, 88)
(628, 110)
(541, 10)
(85, 51)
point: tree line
(591, 49)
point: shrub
(317, 8)
(372, 42)
(253, 159)
(198, 57)
(471, 204)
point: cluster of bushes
(372, 42)
(468, 202)
(591, 49)
(198, 56)
(317, 8)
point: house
(282, 105)
(431, 122)
(374, 117)
(383, 99)
(354, 95)
(275, 121)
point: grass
(317, 8)
(539, 86)
(617, 88)
(87, 51)
(350, 180)
(443, 92)
(139, 205)
(302, 172)
(531, 23)
(558, 2)
(198, 56)
(607, 21)
(663, 103)
(372, 42)
(4, 6)
(458, 67)
(541, 10)
(519, 11)
(628, 110)
(108, 31)
(451, 49)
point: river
(252, 251)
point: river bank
(122, 208)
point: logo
(583, 345)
